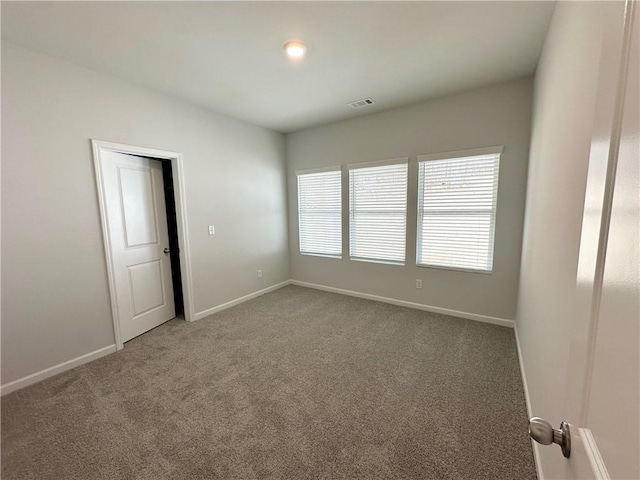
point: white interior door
(612, 411)
(602, 389)
(137, 224)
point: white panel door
(602, 389)
(612, 406)
(137, 223)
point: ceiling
(228, 56)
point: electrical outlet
(259, 273)
(419, 284)
(212, 229)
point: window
(378, 211)
(457, 209)
(320, 212)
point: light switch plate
(212, 229)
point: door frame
(100, 146)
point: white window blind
(378, 212)
(320, 213)
(457, 211)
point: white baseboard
(593, 455)
(237, 301)
(418, 306)
(522, 372)
(55, 370)
(527, 398)
(88, 357)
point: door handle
(542, 432)
(166, 250)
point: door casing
(99, 146)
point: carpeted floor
(295, 384)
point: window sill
(323, 255)
(456, 269)
(373, 260)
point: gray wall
(495, 115)
(563, 120)
(55, 300)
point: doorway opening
(143, 212)
(174, 242)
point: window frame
(363, 165)
(476, 152)
(312, 171)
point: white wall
(563, 118)
(495, 115)
(55, 300)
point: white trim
(402, 303)
(593, 454)
(55, 370)
(375, 260)
(97, 162)
(180, 198)
(307, 171)
(473, 152)
(181, 217)
(454, 269)
(88, 357)
(525, 385)
(378, 163)
(237, 301)
(323, 255)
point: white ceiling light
(295, 49)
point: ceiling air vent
(361, 103)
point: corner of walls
(498, 114)
(55, 370)
(287, 199)
(238, 301)
(527, 398)
(503, 322)
(561, 126)
(234, 173)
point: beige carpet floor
(296, 384)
